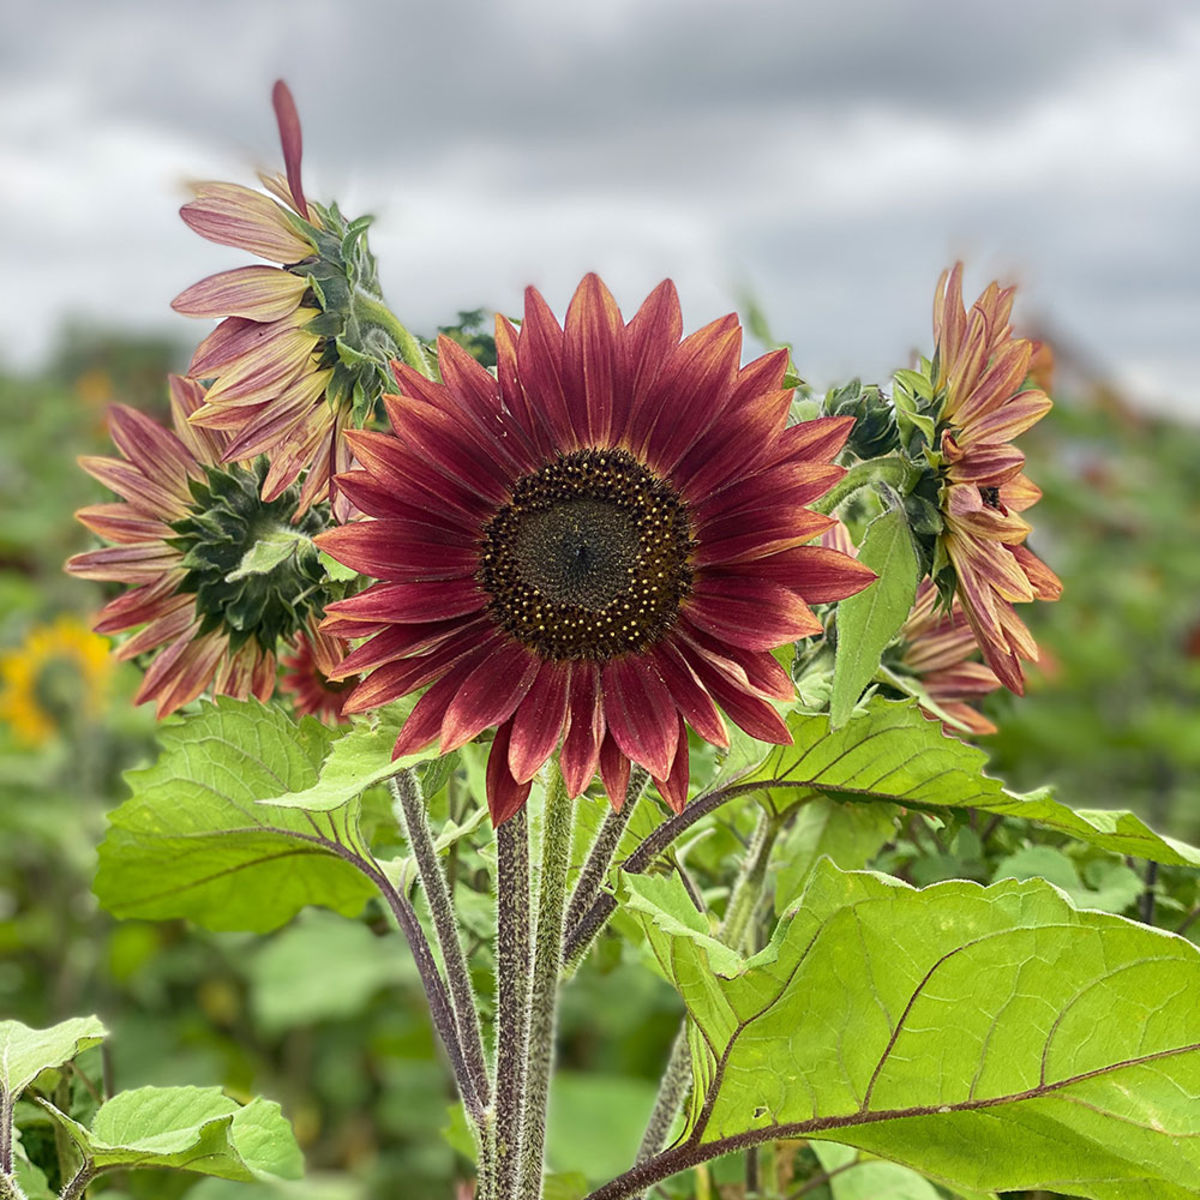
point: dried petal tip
(293, 143)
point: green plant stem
(736, 927)
(10, 1189)
(79, 1182)
(672, 1091)
(547, 965)
(372, 311)
(604, 848)
(513, 958)
(406, 791)
(889, 468)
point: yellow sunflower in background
(60, 668)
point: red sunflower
(597, 547)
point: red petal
(540, 366)
(639, 712)
(581, 746)
(402, 551)
(816, 573)
(425, 721)
(490, 695)
(750, 612)
(614, 770)
(505, 796)
(539, 720)
(592, 376)
(674, 788)
(289, 135)
(689, 694)
(412, 603)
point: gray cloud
(832, 157)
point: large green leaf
(991, 1038)
(868, 621)
(894, 754)
(191, 1129)
(848, 834)
(25, 1053)
(356, 761)
(193, 841)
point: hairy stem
(547, 965)
(513, 960)
(735, 931)
(372, 311)
(406, 791)
(886, 469)
(672, 1091)
(79, 1182)
(10, 1189)
(600, 857)
(440, 1008)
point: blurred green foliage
(326, 1018)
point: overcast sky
(830, 158)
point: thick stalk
(513, 960)
(547, 965)
(406, 792)
(735, 930)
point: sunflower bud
(874, 431)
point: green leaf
(191, 1129)
(193, 841)
(268, 552)
(336, 571)
(894, 754)
(849, 834)
(1119, 886)
(358, 760)
(868, 621)
(288, 989)
(596, 1124)
(25, 1053)
(862, 1177)
(991, 1038)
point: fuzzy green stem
(406, 792)
(735, 931)
(672, 1091)
(547, 964)
(604, 848)
(10, 1189)
(889, 468)
(747, 891)
(79, 1182)
(513, 955)
(372, 311)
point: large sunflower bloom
(980, 371)
(179, 534)
(599, 546)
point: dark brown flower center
(990, 496)
(589, 560)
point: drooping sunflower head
(984, 397)
(594, 549)
(217, 575)
(302, 349)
